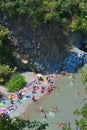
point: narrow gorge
(44, 49)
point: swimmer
(56, 108)
(41, 109)
(77, 92)
(52, 109)
(44, 115)
(73, 76)
(60, 124)
(63, 73)
(72, 81)
(33, 98)
(84, 99)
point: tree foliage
(67, 13)
(5, 51)
(84, 76)
(5, 56)
(5, 73)
(82, 122)
(16, 82)
(6, 123)
(3, 32)
(67, 126)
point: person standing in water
(77, 92)
(44, 115)
(77, 128)
(41, 109)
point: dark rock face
(77, 56)
(42, 49)
(74, 60)
(39, 47)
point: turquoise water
(65, 98)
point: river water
(64, 97)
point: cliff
(42, 49)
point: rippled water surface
(65, 98)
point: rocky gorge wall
(43, 48)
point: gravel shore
(21, 108)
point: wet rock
(75, 60)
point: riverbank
(23, 104)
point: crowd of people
(40, 85)
(30, 91)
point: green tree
(82, 122)
(16, 82)
(84, 76)
(67, 13)
(3, 32)
(5, 73)
(6, 123)
(6, 55)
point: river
(64, 97)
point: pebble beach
(22, 106)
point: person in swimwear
(60, 124)
(44, 115)
(77, 92)
(41, 109)
(33, 97)
(77, 128)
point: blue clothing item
(77, 128)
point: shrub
(6, 54)
(16, 82)
(7, 123)
(5, 73)
(71, 14)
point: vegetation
(5, 73)
(6, 123)
(5, 51)
(3, 33)
(6, 56)
(81, 122)
(84, 76)
(66, 126)
(69, 14)
(16, 82)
